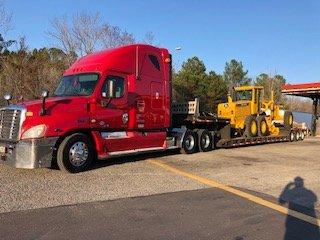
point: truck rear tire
(205, 140)
(189, 142)
(262, 126)
(75, 153)
(251, 127)
(288, 119)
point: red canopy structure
(310, 90)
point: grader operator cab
(250, 115)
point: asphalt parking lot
(183, 191)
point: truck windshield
(77, 85)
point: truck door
(110, 116)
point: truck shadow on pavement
(300, 199)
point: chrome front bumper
(33, 153)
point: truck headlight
(35, 132)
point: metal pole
(314, 116)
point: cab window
(118, 83)
(243, 95)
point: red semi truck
(110, 103)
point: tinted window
(118, 83)
(154, 61)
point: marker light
(29, 114)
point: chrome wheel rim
(78, 154)
(205, 141)
(189, 143)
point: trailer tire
(292, 136)
(288, 119)
(262, 126)
(251, 128)
(205, 140)
(75, 153)
(302, 135)
(189, 142)
(297, 136)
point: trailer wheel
(75, 153)
(288, 119)
(262, 126)
(205, 140)
(292, 136)
(302, 135)
(297, 136)
(251, 127)
(189, 142)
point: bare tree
(86, 33)
(63, 34)
(113, 36)
(149, 38)
(5, 19)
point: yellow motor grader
(252, 116)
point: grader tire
(262, 126)
(251, 127)
(288, 119)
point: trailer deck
(237, 142)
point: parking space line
(248, 196)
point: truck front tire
(75, 153)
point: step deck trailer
(188, 116)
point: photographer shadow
(302, 200)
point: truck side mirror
(7, 97)
(111, 90)
(44, 95)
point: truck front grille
(10, 124)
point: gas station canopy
(311, 90)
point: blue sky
(271, 36)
